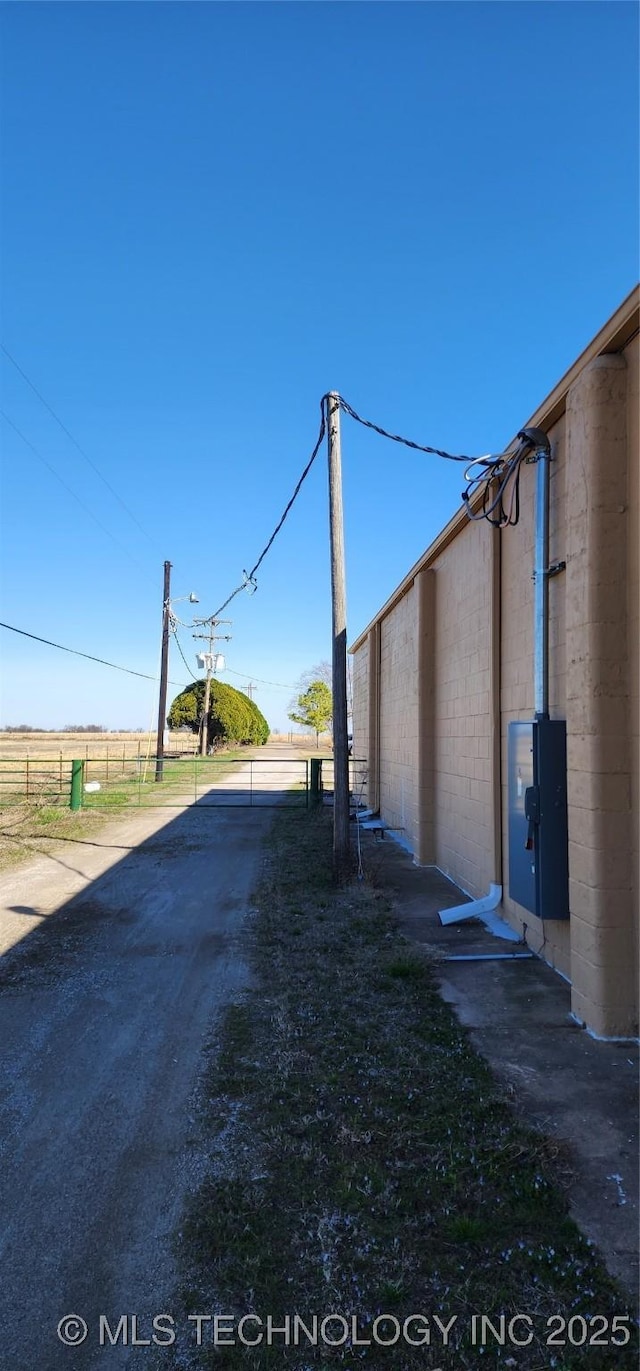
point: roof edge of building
(618, 331)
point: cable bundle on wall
(499, 481)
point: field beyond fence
(36, 767)
(70, 745)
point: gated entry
(201, 782)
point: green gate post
(77, 778)
(316, 780)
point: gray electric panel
(538, 829)
(522, 879)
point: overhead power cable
(314, 454)
(70, 491)
(279, 684)
(75, 653)
(497, 480)
(174, 630)
(407, 442)
(249, 576)
(495, 467)
(85, 456)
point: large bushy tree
(233, 717)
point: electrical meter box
(538, 829)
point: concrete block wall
(399, 719)
(600, 729)
(632, 358)
(448, 664)
(463, 801)
(360, 688)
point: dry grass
(29, 829)
(306, 742)
(52, 746)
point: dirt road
(117, 954)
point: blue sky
(212, 214)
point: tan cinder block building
(448, 663)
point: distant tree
(85, 728)
(323, 671)
(314, 708)
(23, 728)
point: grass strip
(364, 1161)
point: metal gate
(217, 782)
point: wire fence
(121, 780)
(34, 780)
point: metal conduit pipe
(490, 957)
(542, 456)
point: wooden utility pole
(164, 671)
(204, 734)
(212, 638)
(341, 842)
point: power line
(74, 651)
(73, 440)
(70, 490)
(498, 478)
(249, 576)
(314, 454)
(244, 584)
(279, 684)
(407, 442)
(493, 464)
(179, 647)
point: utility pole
(212, 638)
(164, 671)
(341, 842)
(249, 690)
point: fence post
(124, 753)
(77, 776)
(107, 772)
(60, 774)
(316, 780)
(27, 777)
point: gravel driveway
(117, 955)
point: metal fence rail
(112, 783)
(205, 782)
(33, 780)
(358, 771)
